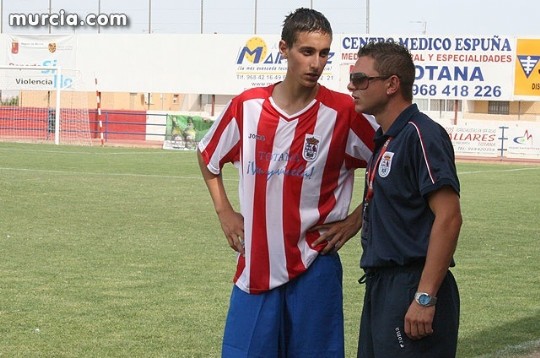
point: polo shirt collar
(396, 127)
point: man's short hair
(304, 20)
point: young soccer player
(296, 145)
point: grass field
(117, 252)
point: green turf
(117, 252)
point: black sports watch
(424, 299)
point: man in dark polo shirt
(411, 218)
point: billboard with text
(494, 68)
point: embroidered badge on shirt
(311, 147)
(386, 164)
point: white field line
(359, 174)
(512, 351)
(498, 170)
(71, 172)
(160, 152)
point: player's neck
(292, 99)
(389, 115)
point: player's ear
(283, 48)
(393, 84)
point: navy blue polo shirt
(418, 160)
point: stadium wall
(471, 138)
(476, 71)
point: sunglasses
(361, 81)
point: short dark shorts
(389, 293)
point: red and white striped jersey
(295, 172)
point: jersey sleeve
(360, 141)
(220, 145)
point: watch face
(424, 300)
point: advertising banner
(496, 68)
(183, 132)
(40, 50)
(259, 63)
(520, 141)
(491, 139)
(475, 140)
(527, 69)
(471, 68)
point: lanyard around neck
(372, 169)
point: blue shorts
(303, 318)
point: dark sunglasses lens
(358, 79)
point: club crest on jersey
(311, 147)
(385, 164)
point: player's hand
(419, 321)
(232, 224)
(337, 233)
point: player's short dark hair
(392, 59)
(304, 20)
